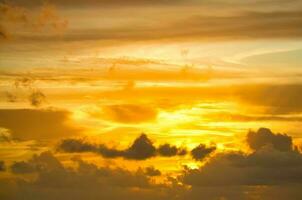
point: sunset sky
(150, 99)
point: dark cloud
(74, 145)
(28, 124)
(266, 166)
(128, 113)
(2, 166)
(267, 173)
(142, 148)
(22, 168)
(272, 163)
(170, 150)
(151, 171)
(264, 136)
(201, 151)
(54, 181)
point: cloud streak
(29, 124)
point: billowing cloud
(142, 148)
(54, 181)
(264, 136)
(28, 124)
(269, 165)
(201, 151)
(128, 113)
(226, 175)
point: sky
(150, 99)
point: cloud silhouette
(272, 163)
(142, 148)
(168, 150)
(201, 151)
(87, 180)
(264, 136)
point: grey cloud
(54, 181)
(22, 168)
(142, 148)
(264, 136)
(170, 150)
(38, 163)
(151, 171)
(270, 164)
(201, 151)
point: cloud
(275, 164)
(2, 166)
(14, 18)
(128, 113)
(236, 117)
(74, 145)
(264, 136)
(201, 151)
(151, 171)
(168, 150)
(87, 180)
(37, 98)
(262, 174)
(28, 124)
(22, 168)
(11, 97)
(25, 82)
(185, 27)
(142, 148)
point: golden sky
(150, 99)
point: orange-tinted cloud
(129, 113)
(28, 124)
